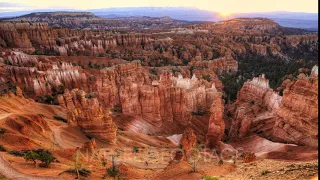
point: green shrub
(31, 156)
(153, 72)
(16, 153)
(135, 149)
(3, 130)
(60, 118)
(113, 171)
(117, 108)
(48, 99)
(42, 155)
(104, 163)
(198, 113)
(210, 178)
(265, 172)
(46, 158)
(208, 78)
(2, 148)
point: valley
(156, 98)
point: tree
(49, 99)
(135, 149)
(2, 148)
(90, 64)
(191, 69)
(104, 163)
(32, 156)
(193, 157)
(113, 170)
(3, 130)
(208, 78)
(78, 164)
(46, 158)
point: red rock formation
(188, 141)
(216, 125)
(88, 115)
(291, 118)
(297, 117)
(90, 146)
(39, 37)
(168, 99)
(10, 37)
(223, 64)
(39, 78)
(248, 157)
(251, 24)
(256, 103)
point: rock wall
(128, 85)
(222, 64)
(253, 100)
(89, 115)
(39, 78)
(291, 118)
(41, 39)
(167, 99)
(297, 117)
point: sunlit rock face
(216, 125)
(222, 64)
(291, 118)
(297, 117)
(40, 38)
(188, 141)
(126, 85)
(256, 103)
(168, 99)
(89, 115)
(39, 78)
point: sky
(222, 6)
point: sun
(225, 14)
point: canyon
(70, 86)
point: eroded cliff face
(222, 64)
(41, 77)
(42, 39)
(168, 99)
(216, 126)
(256, 105)
(291, 118)
(223, 42)
(164, 97)
(89, 115)
(297, 117)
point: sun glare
(225, 14)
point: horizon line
(52, 9)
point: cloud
(8, 6)
(226, 6)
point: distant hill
(287, 19)
(81, 20)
